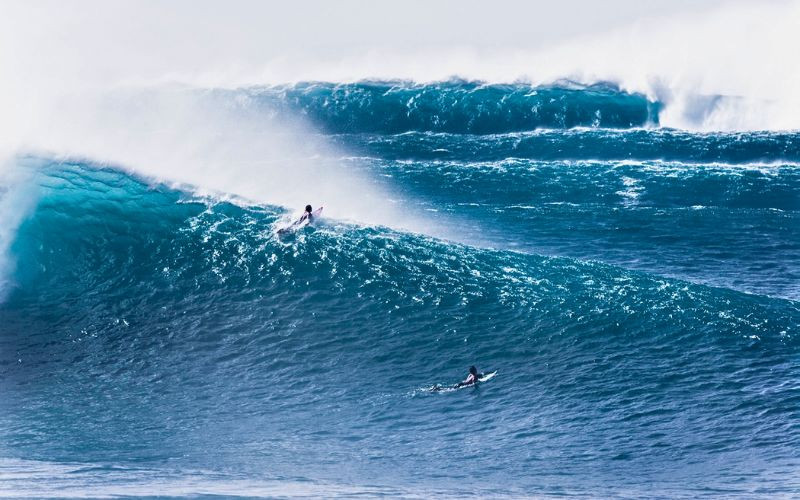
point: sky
(182, 39)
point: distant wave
(459, 106)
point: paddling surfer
(471, 379)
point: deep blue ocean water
(635, 287)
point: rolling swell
(646, 215)
(582, 144)
(458, 107)
(196, 329)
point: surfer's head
(308, 208)
(473, 370)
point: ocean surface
(636, 288)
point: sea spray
(18, 196)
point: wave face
(636, 290)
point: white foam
(38, 479)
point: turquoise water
(635, 287)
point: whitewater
(612, 227)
